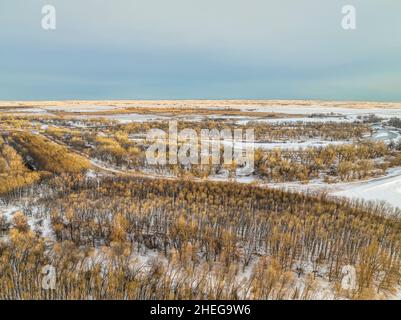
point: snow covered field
(386, 189)
(129, 117)
(347, 109)
(80, 108)
(318, 109)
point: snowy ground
(8, 211)
(36, 223)
(386, 189)
(319, 109)
(80, 108)
(329, 111)
(130, 117)
(247, 120)
(386, 135)
(288, 145)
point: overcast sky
(212, 49)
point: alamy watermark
(187, 147)
(349, 280)
(48, 17)
(48, 20)
(49, 277)
(349, 17)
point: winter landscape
(79, 195)
(200, 157)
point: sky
(200, 49)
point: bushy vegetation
(115, 234)
(395, 122)
(47, 155)
(125, 145)
(13, 172)
(205, 235)
(334, 162)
